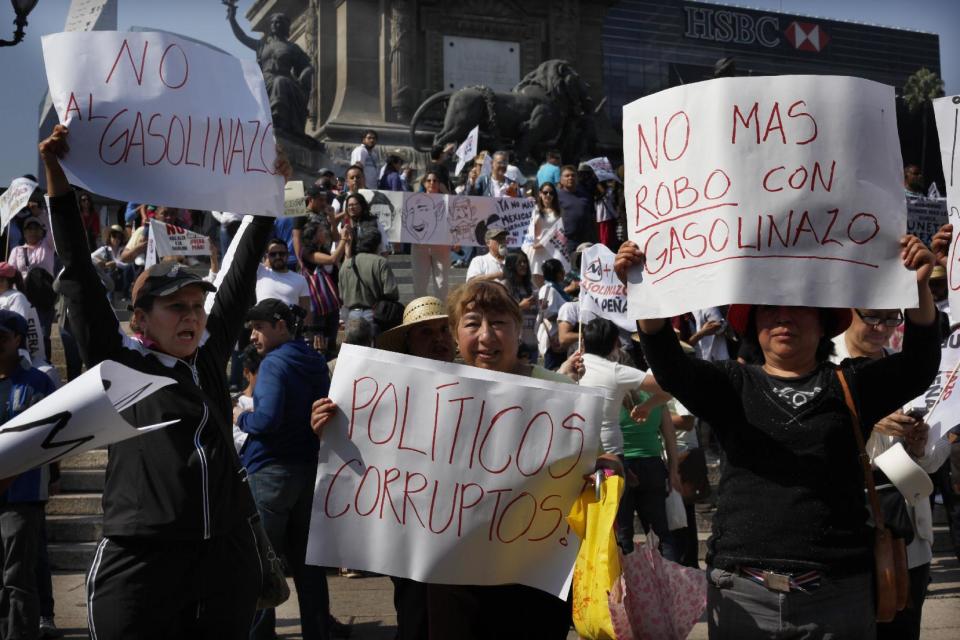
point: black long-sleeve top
(791, 495)
(180, 482)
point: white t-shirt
(370, 161)
(245, 403)
(285, 286)
(483, 266)
(711, 348)
(615, 380)
(13, 300)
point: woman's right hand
(322, 412)
(51, 151)
(897, 424)
(940, 244)
(55, 145)
(628, 256)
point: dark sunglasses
(548, 192)
(278, 254)
(874, 321)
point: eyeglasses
(278, 254)
(548, 193)
(873, 321)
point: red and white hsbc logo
(806, 36)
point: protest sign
(797, 179)
(940, 402)
(430, 218)
(467, 151)
(451, 474)
(171, 240)
(387, 206)
(294, 200)
(947, 113)
(158, 118)
(603, 169)
(78, 417)
(601, 292)
(552, 241)
(925, 216)
(425, 219)
(15, 198)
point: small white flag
(468, 150)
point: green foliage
(921, 87)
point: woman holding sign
(791, 549)
(178, 557)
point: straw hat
(416, 312)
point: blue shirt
(548, 173)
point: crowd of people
(758, 390)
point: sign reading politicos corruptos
(451, 474)
(158, 118)
(774, 190)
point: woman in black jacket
(790, 554)
(178, 557)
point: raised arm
(237, 31)
(92, 320)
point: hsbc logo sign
(738, 27)
(806, 36)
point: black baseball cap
(165, 278)
(270, 310)
(13, 322)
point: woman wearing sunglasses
(544, 225)
(867, 337)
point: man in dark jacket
(281, 456)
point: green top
(641, 440)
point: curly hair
(483, 296)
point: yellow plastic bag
(598, 561)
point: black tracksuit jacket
(181, 482)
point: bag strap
(864, 458)
(353, 263)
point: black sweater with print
(791, 495)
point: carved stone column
(357, 102)
(402, 56)
(310, 33)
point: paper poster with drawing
(155, 117)
(601, 292)
(425, 219)
(78, 417)
(388, 207)
(428, 461)
(775, 190)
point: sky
(22, 73)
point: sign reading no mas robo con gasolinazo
(451, 474)
(158, 118)
(776, 190)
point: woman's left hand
(282, 166)
(610, 461)
(917, 257)
(573, 366)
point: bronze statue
(549, 108)
(286, 68)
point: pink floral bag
(655, 598)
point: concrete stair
(74, 516)
(403, 272)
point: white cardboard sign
(162, 119)
(601, 292)
(294, 200)
(429, 218)
(451, 474)
(947, 112)
(171, 240)
(15, 198)
(467, 150)
(78, 417)
(774, 190)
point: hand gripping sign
(776, 190)
(78, 417)
(451, 474)
(158, 118)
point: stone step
(81, 480)
(72, 556)
(74, 528)
(95, 459)
(75, 504)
